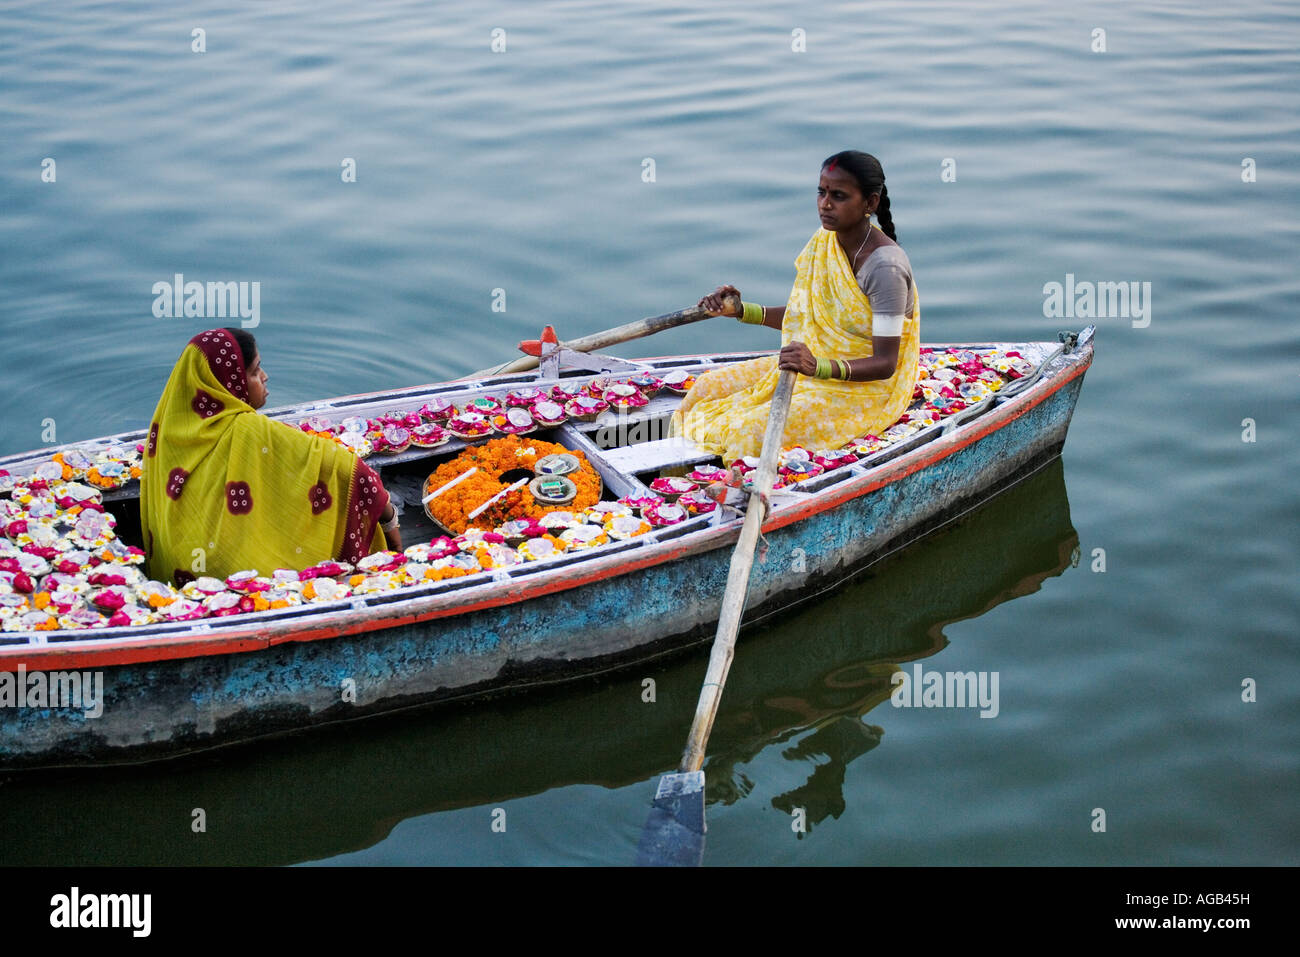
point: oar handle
(742, 563)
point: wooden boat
(174, 688)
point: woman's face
(256, 379)
(840, 202)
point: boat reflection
(857, 640)
(811, 676)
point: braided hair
(870, 177)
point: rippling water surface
(525, 170)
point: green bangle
(823, 369)
(752, 313)
(845, 372)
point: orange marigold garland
(493, 459)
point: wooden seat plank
(656, 455)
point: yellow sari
(226, 489)
(726, 410)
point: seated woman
(851, 326)
(248, 491)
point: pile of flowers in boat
(63, 567)
(950, 380)
(107, 467)
(518, 412)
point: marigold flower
(492, 459)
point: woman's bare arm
(881, 365)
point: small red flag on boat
(534, 347)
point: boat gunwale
(303, 623)
(466, 386)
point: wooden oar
(612, 337)
(674, 832)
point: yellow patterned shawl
(726, 410)
(225, 488)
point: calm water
(526, 171)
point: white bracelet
(395, 523)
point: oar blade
(673, 835)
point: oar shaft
(637, 330)
(742, 563)
(609, 337)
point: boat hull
(627, 607)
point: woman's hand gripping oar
(674, 832)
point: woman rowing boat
(851, 328)
(226, 489)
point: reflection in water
(837, 658)
(840, 742)
(810, 677)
